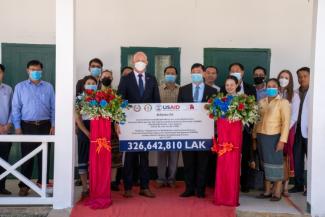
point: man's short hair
(34, 63)
(197, 65)
(305, 68)
(260, 68)
(96, 60)
(2, 68)
(214, 67)
(126, 67)
(236, 64)
(170, 67)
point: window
(158, 58)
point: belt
(37, 123)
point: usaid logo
(171, 107)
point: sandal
(263, 196)
(275, 198)
(84, 194)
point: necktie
(141, 87)
(196, 93)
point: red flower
(211, 116)
(224, 99)
(210, 100)
(241, 107)
(89, 92)
(88, 99)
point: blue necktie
(141, 87)
(196, 93)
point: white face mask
(140, 66)
(283, 82)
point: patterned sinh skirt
(272, 160)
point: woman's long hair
(289, 87)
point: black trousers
(211, 171)
(27, 147)
(247, 156)
(4, 154)
(195, 170)
(130, 159)
(299, 152)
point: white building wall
(103, 26)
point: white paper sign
(167, 127)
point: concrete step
(268, 214)
(26, 211)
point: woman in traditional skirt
(83, 131)
(272, 132)
(106, 79)
(287, 92)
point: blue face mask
(197, 78)
(272, 92)
(91, 87)
(95, 71)
(35, 75)
(237, 75)
(170, 78)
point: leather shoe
(201, 195)
(23, 191)
(296, 189)
(147, 193)
(5, 191)
(127, 194)
(187, 194)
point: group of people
(276, 144)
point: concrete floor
(250, 206)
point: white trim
(27, 138)
(25, 201)
(64, 110)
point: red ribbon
(103, 143)
(223, 148)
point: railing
(12, 169)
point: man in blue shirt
(259, 75)
(33, 113)
(5, 124)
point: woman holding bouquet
(228, 165)
(272, 132)
(83, 134)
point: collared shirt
(302, 94)
(168, 95)
(33, 102)
(260, 93)
(216, 87)
(201, 91)
(5, 104)
(143, 78)
(274, 118)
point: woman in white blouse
(286, 91)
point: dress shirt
(5, 103)
(201, 91)
(33, 102)
(143, 78)
(168, 95)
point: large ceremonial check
(166, 127)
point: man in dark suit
(195, 162)
(237, 70)
(138, 87)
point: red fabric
(288, 150)
(99, 165)
(228, 165)
(166, 204)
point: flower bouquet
(101, 107)
(230, 113)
